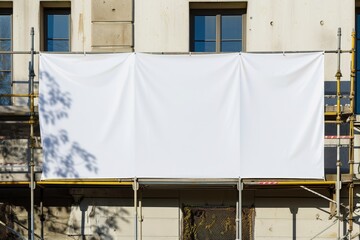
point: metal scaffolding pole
(140, 214)
(351, 149)
(31, 137)
(178, 53)
(338, 119)
(135, 188)
(239, 211)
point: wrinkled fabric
(175, 116)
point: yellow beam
(19, 95)
(15, 183)
(115, 183)
(273, 183)
(84, 183)
(330, 113)
(103, 183)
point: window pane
(231, 46)
(5, 45)
(5, 87)
(357, 80)
(5, 26)
(57, 30)
(205, 27)
(358, 55)
(5, 78)
(231, 27)
(57, 26)
(58, 45)
(358, 25)
(5, 59)
(205, 47)
(5, 62)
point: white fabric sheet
(282, 115)
(187, 116)
(209, 116)
(87, 115)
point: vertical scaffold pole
(338, 122)
(352, 119)
(31, 137)
(140, 214)
(135, 188)
(239, 211)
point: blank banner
(171, 116)
(282, 115)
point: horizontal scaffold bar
(74, 182)
(149, 182)
(102, 183)
(19, 95)
(339, 137)
(267, 183)
(192, 53)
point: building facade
(186, 208)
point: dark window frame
(8, 11)
(217, 13)
(357, 64)
(51, 11)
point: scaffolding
(337, 114)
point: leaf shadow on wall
(62, 154)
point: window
(5, 59)
(216, 30)
(57, 29)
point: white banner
(187, 116)
(86, 109)
(202, 116)
(282, 115)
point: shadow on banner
(53, 107)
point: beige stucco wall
(163, 25)
(112, 28)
